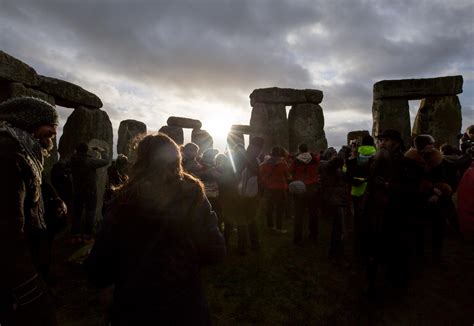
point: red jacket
(274, 173)
(305, 168)
(466, 203)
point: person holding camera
(84, 180)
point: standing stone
(68, 94)
(306, 125)
(392, 114)
(15, 70)
(184, 123)
(357, 134)
(101, 178)
(203, 139)
(234, 138)
(12, 90)
(287, 96)
(175, 133)
(83, 125)
(241, 129)
(411, 89)
(128, 132)
(440, 117)
(269, 121)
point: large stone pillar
(306, 125)
(392, 114)
(127, 135)
(269, 121)
(175, 133)
(83, 125)
(440, 117)
(357, 134)
(92, 126)
(203, 139)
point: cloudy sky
(148, 60)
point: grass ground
(282, 284)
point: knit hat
(28, 113)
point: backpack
(248, 186)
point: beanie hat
(28, 112)
(421, 141)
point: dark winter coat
(84, 175)
(23, 241)
(392, 193)
(153, 253)
(336, 191)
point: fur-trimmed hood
(430, 158)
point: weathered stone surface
(11, 90)
(234, 138)
(203, 139)
(243, 129)
(418, 88)
(175, 133)
(128, 132)
(68, 94)
(269, 121)
(440, 117)
(184, 123)
(83, 125)
(287, 96)
(306, 125)
(101, 178)
(392, 114)
(357, 134)
(15, 70)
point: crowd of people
(175, 209)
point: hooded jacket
(274, 173)
(305, 168)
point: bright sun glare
(218, 127)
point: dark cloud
(221, 50)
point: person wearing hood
(27, 127)
(305, 168)
(438, 184)
(274, 174)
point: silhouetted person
(392, 192)
(84, 178)
(305, 168)
(160, 233)
(27, 127)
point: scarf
(31, 151)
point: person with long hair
(160, 232)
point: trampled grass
(284, 284)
